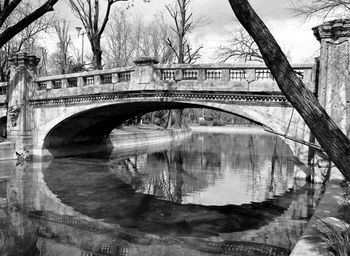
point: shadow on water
(102, 195)
(143, 203)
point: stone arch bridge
(47, 113)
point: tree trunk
(330, 137)
(169, 120)
(97, 53)
(182, 31)
(178, 118)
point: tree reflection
(184, 171)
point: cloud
(294, 36)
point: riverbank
(141, 137)
(229, 129)
(327, 211)
(123, 137)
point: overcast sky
(293, 33)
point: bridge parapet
(97, 77)
(241, 77)
(180, 77)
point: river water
(213, 194)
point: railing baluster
(168, 75)
(89, 80)
(238, 74)
(106, 79)
(263, 74)
(124, 77)
(3, 89)
(57, 84)
(190, 74)
(213, 74)
(42, 85)
(72, 82)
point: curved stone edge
(122, 140)
(309, 244)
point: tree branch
(8, 9)
(11, 31)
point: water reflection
(158, 203)
(212, 170)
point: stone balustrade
(180, 72)
(226, 72)
(95, 78)
(158, 77)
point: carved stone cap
(145, 61)
(332, 29)
(22, 58)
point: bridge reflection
(113, 208)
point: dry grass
(335, 237)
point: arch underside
(92, 125)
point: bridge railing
(224, 72)
(97, 77)
(239, 75)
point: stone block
(143, 75)
(201, 74)
(97, 79)
(225, 75)
(115, 78)
(64, 83)
(80, 82)
(251, 76)
(178, 75)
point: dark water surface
(214, 194)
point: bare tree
(119, 41)
(127, 40)
(149, 39)
(330, 137)
(323, 8)
(7, 8)
(184, 24)
(163, 53)
(241, 47)
(25, 39)
(64, 41)
(88, 11)
(184, 52)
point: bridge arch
(86, 124)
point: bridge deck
(243, 82)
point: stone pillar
(144, 73)
(334, 82)
(21, 88)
